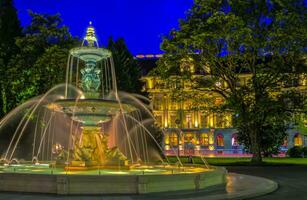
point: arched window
(204, 139)
(173, 139)
(220, 140)
(298, 140)
(188, 137)
(234, 140)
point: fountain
(84, 137)
(92, 110)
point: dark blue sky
(140, 22)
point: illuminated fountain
(88, 130)
(93, 109)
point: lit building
(191, 128)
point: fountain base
(136, 180)
(92, 165)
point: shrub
(295, 152)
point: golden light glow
(298, 140)
(211, 120)
(150, 84)
(166, 139)
(196, 124)
(211, 138)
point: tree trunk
(255, 148)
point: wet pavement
(292, 180)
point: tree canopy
(263, 39)
(9, 29)
(127, 69)
(39, 62)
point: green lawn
(223, 161)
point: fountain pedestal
(91, 151)
(91, 147)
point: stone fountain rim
(96, 53)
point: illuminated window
(204, 121)
(219, 120)
(204, 139)
(188, 118)
(158, 103)
(227, 121)
(298, 140)
(234, 140)
(173, 119)
(187, 105)
(173, 139)
(166, 139)
(172, 105)
(158, 119)
(220, 140)
(188, 137)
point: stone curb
(262, 186)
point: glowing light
(211, 120)
(218, 84)
(196, 124)
(211, 139)
(150, 56)
(140, 56)
(211, 148)
(150, 84)
(166, 139)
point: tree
(9, 30)
(41, 60)
(127, 69)
(262, 39)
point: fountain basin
(149, 179)
(90, 110)
(93, 54)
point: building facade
(190, 128)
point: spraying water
(85, 122)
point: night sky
(141, 22)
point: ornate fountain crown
(90, 36)
(89, 50)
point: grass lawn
(237, 161)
